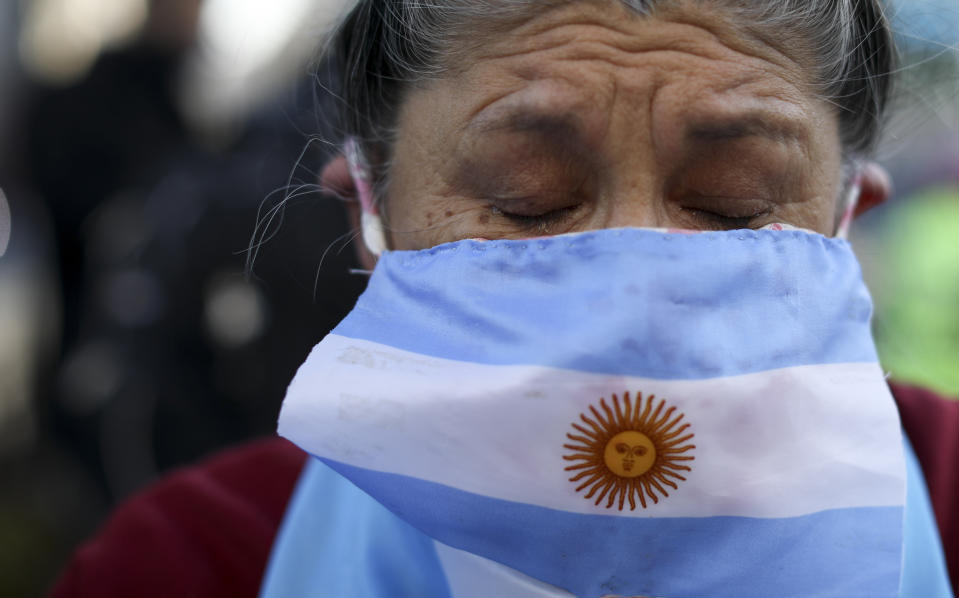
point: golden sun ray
(632, 450)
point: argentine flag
(620, 412)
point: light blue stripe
(924, 565)
(336, 540)
(322, 547)
(752, 300)
(845, 553)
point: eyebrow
(565, 127)
(747, 125)
(560, 126)
(558, 133)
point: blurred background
(146, 145)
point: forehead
(685, 61)
(543, 23)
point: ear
(335, 180)
(875, 187)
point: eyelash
(537, 220)
(724, 221)
(711, 219)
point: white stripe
(779, 443)
(472, 576)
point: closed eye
(540, 221)
(722, 221)
(725, 213)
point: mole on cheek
(484, 218)
(449, 213)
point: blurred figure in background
(114, 131)
(147, 189)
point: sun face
(633, 450)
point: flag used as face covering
(623, 412)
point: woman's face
(587, 116)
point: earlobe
(875, 187)
(335, 180)
(371, 225)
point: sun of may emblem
(633, 450)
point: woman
(717, 395)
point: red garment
(932, 425)
(207, 531)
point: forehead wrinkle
(552, 101)
(538, 23)
(628, 67)
(573, 46)
(743, 38)
(779, 114)
(682, 29)
(760, 109)
(571, 97)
